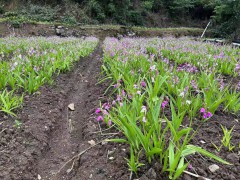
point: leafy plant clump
(162, 87)
(28, 63)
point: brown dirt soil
(51, 134)
(31, 29)
(48, 143)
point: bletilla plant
(28, 63)
(158, 85)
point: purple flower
(209, 114)
(109, 122)
(106, 106)
(123, 93)
(144, 119)
(99, 118)
(238, 86)
(135, 86)
(105, 112)
(116, 85)
(144, 109)
(98, 110)
(194, 85)
(237, 67)
(119, 98)
(112, 53)
(143, 84)
(187, 67)
(205, 115)
(190, 167)
(113, 102)
(152, 68)
(129, 96)
(164, 103)
(202, 110)
(222, 85)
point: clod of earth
(213, 168)
(71, 106)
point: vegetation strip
(28, 63)
(162, 84)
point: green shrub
(135, 18)
(1, 9)
(10, 14)
(69, 19)
(148, 5)
(227, 18)
(40, 13)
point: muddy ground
(50, 143)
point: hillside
(148, 13)
(137, 12)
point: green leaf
(154, 151)
(187, 152)
(180, 171)
(181, 163)
(117, 140)
(171, 154)
(206, 153)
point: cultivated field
(163, 108)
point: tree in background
(225, 13)
(227, 18)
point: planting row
(162, 87)
(28, 63)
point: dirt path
(68, 138)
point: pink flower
(129, 96)
(109, 122)
(106, 106)
(209, 114)
(237, 67)
(123, 93)
(190, 167)
(205, 115)
(164, 103)
(99, 118)
(116, 85)
(112, 53)
(119, 98)
(202, 110)
(105, 112)
(143, 84)
(152, 68)
(98, 110)
(144, 109)
(113, 102)
(135, 86)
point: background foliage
(158, 13)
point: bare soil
(50, 143)
(52, 134)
